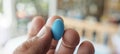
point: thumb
(39, 44)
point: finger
(39, 44)
(86, 48)
(37, 24)
(54, 42)
(69, 42)
(51, 20)
(52, 47)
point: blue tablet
(57, 29)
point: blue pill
(57, 29)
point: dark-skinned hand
(43, 43)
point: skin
(47, 45)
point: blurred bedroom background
(96, 20)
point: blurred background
(96, 20)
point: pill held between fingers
(57, 29)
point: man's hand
(41, 42)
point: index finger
(54, 42)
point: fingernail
(57, 29)
(48, 21)
(42, 32)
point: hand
(43, 43)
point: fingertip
(71, 37)
(70, 40)
(38, 21)
(85, 43)
(38, 18)
(52, 19)
(86, 47)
